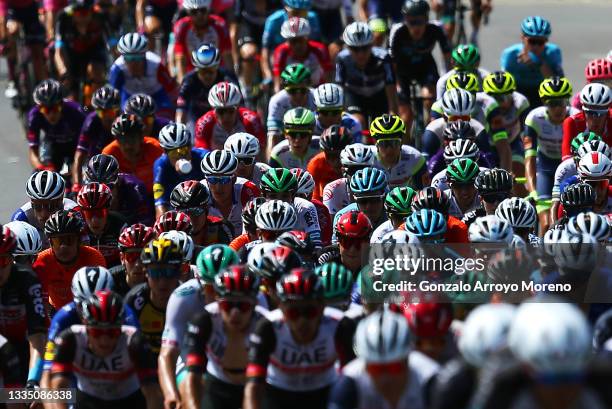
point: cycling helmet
(103, 309)
(463, 171)
(249, 212)
(219, 163)
(337, 281)
(213, 259)
(196, 4)
(415, 8)
(236, 281)
(298, 4)
(581, 138)
(206, 56)
(399, 200)
(190, 194)
(555, 87)
(490, 229)
(429, 319)
(299, 284)
(466, 57)
(578, 252)
(383, 337)
(357, 34)
(368, 182)
(426, 223)
(518, 212)
(173, 220)
(94, 196)
(106, 97)
(132, 43)
(596, 96)
(102, 169)
(461, 148)
(594, 166)
(535, 26)
(493, 181)
(485, 332)
(126, 124)
(27, 238)
(278, 180)
(305, 182)
(45, 185)
(142, 105)
(295, 74)
(353, 224)
(578, 195)
(224, 94)
(457, 102)
(277, 261)
(242, 145)
(299, 119)
(595, 146)
(459, 130)
(297, 240)
(183, 241)
(88, 280)
(553, 338)
(295, 27)
(499, 83)
(335, 138)
(137, 236)
(602, 330)
(174, 135)
(378, 25)
(48, 92)
(464, 80)
(162, 251)
(395, 237)
(64, 222)
(256, 254)
(598, 70)
(590, 223)
(387, 126)
(275, 215)
(431, 198)
(329, 96)
(8, 241)
(356, 154)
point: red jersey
(325, 222)
(316, 59)
(575, 124)
(322, 173)
(209, 134)
(187, 40)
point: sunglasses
(368, 200)
(195, 12)
(194, 211)
(68, 240)
(308, 312)
(389, 143)
(454, 118)
(107, 112)
(132, 256)
(130, 139)
(5, 260)
(494, 197)
(228, 306)
(219, 180)
(97, 332)
(361, 49)
(296, 90)
(536, 41)
(416, 22)
(48, 206)
(330, 112)
(225, 111)
(247, 161)
(392, 368)
(299, 134)
(134, 57)
(100, 213)
(348, 242)
(556, 103)
(595, 114)
(178, 153)
(51, 109)
(163, 272)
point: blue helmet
(368, 182)
(426, 223)
(298, 4)
(535, 26)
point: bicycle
(460, 33)
(418, 111)
(25, 81)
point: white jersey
(411, 161)
(455, 210)
(244, 191)
(441, 84)
(566, 169)
(282, 155)
(281, 103)
(482, 108)
(512, 118)
(308, 219)
(547, 135)
(437, 126)
(380, 231)
(336, 196)
(185, 302)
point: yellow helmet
(464, 80)
(555, 87)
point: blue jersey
(571, 180)
(530, 75)
(272, 30)
(349, 122)
(165, 176)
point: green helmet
(299, 118)
(337, 281)
(581, 138)
(278, 180)
(213, 259)
(462, 170)
(399, 200)
(295, 74)
(466, 56)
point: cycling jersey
(282, 157)
(322, 173)
(325, 222)
(65, 131)
(515, 116)
(546, 137)
(471, 216)
(26, 214)
(10, 367)
(348, 122)
(184, 303)
(575, 124)
(107, 242)
(151, 318)
(316, 59)
(259, 169)
(456, 230)
(91, 40)
(272, 29)
(607, 209)
(251, 19)
(485, 108)
(441, 84)
(308, 219)
(566, 169)
(408, 169)
(336, 196)
(380, 231)
(165, 176)
(455, 210)
(187, 39)
(94, 137)
(209, 134)
(434, 136)
(279, 104)
(368, 81)
(529, 75)
(133, 201)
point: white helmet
(490, 229)
(183, 241)
(174, 135)
(461, 148)
(28, 238)
(594, 166)
(295, 27)
(356, 154)
(224, 94)
(242, 145)
(256, 254)
(518, 212)
(305, 182)
(87, 280)
(383, 337)
(551, 238)
(396, 237)
(207, 55)
(45, 185)
(196, 4)
(219, 163)
(596, 96)
(457, 102)
(518, 242)
(275, 215)
(132, 43)
(553, 338)
(396, 243)
(590, 223)
(357, 34)
(485, 332)
(575, 251)
(329, 96)
(595, 146)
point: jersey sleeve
(262, 343)
(34, 128)
(60, 30)
(176, 321)
(35, 307)
(275, 114)
(143, 358)
(116, 77)
(266, 38)
(445, 44)
(65, 352)
(279, 59)
(343, 394)
(203, 130)
(194, 346)
(130, 317)
(311, 222)
(532, 130)
(389, 73)
(184, 94)
(252, 124)
(180, 34)
(344, 340)
(161, 188)
(569, 132)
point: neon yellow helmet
(464, 80)
(387, 127)
(499, 83)
(555, 87)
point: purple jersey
(93, 136)
(158, 124)
(65, 131)
(437, 163)
(135, 204)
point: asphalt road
(581, 28)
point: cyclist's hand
(486, 7)
(266, 84)
(172, 403)
(524, 57)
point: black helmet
(431, 198)
(48, 92)
(189, 194)
(102, 169)
(493, 181)
(126, 124)
(459, 130)
(141, 105)
(415, 8)
(64, 222)
(105, 98)
(335, 138)
(278, 261)
(578, 195)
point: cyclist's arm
(390, 87)
(61, 369)
(362, 10)
(262, 344)
(196, 337)
(531, 146)
(80, 157)
(140, 14)
(569, 132)
(60, 57)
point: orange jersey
(322, 173)
(240, 241)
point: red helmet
(354, 224)
(7, 241)
(95, 196)
(429, 319)
(103, 309)
(236, 280)
(299, 284)
(173, 220)
(599, 69)
(277, 261)
(135, 237)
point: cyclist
(366, 74)
(456, 149)
(154, 18)
(180, 162)
(575, 199)
(305, 187)
(465, 58)
(598, 71)
(102, 226)
(248, 224)
(353, 233)
(522, 218)
(411, 44)
(226, 118)
(173, 220)
(338, 283)
(135, 153)
(542, 141)
(28, 244)
(429, 321)
(301, 323)
(131, 272)
(299, 147)
(325, 166)
(596, 169)
(446, 10)
(533, 59)
(131, 368)
(130, 197)
(398, 207)
(424, 226)
(493, 186)
(329, 101)
(144, 107)
(246, 149)
(60, 120)
(461, 174)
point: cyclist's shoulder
(217, 21)
(410, 152)
(537, 113)
(247, 114)
(512, 49)
(183, 24)
(185, 291)
(90, 256)
(281, 148)
(520, 101)
(344, 55)
(277, 17)
(138, 296)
